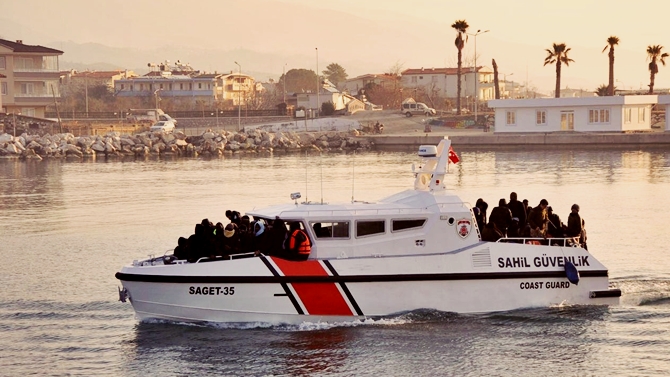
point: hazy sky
(365, 36)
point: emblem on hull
(463, 227)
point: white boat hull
(278, 291)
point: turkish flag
(453, 157)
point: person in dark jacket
(260, 242)
(537, 219)
(231, 240)
(575, 226)
(555, 225)
(501, 217)
(490, 233)
(517, 208)
(234, 217)
(480, 214)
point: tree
(558, 55)
(299, 81)
(461, 27)
(654, 54)
(603, 90)
(611, 42)
(335, 73)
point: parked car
(417, 108)
(166, 126)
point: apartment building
(443, 81)
(186, 83)
(29, 78)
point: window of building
(142, 87)
(420, 77)
(161, 86)
(331, 229)
(641, 114)
(368, 228)
(132, 87)
(190, 86)
(181, 86)
(3, 88)
(23, 63)
(399, 225)
(28, 111)
(169, 86)
(27, 88)
(510, 118)
(122, 86)
(199, 85)
(627, 115)
(151, 87)
(599, 116)
(3, 63)
(540, 117)
(414, 79)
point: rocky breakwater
(177, 144)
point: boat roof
(408, 202)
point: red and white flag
(453, 157)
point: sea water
(66, 227)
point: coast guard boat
(417, 249)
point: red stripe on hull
(318, 298)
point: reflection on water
(66, 228)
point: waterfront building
(354, 85)
(588, 114)
(443, 82)
(664, 101)
(183, 82)
(29, 78)
(94, 78)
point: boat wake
(643, 292)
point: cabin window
(331, 229)
(627, 115)
(368, 228)
(511, 118)
(641, 114)
(541, 118)
(598, 116)
(399, 225)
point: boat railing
(226, 257)
(564, 241)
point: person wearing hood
(231, 239)
(480, 213)
(501, 217)
(537, 219)
(234, 217)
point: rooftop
(18, 46)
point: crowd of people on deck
(244, 235)
(516, 219)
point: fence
(212, 113)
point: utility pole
(318, 83)
(239, 96)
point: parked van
(148, 116)
(410, 107)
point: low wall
(411, 142)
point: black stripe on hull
(284, 285)
(346, 291)
(351, 278)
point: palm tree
(461, 27)
(611, 42)
(602, 91)
(558, 55)
(654, 54)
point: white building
(665, 100)
(442, 81)
(597, 114)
